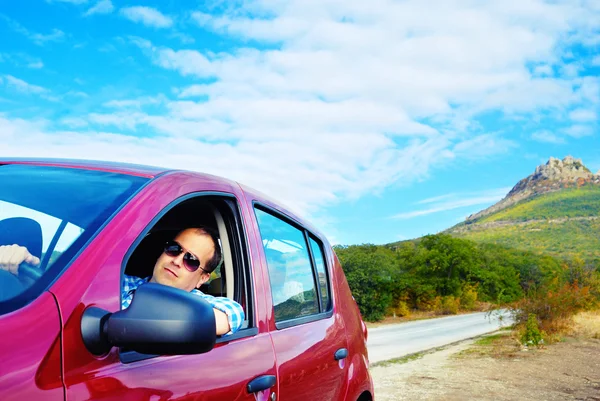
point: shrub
(468, 297)
(554, 306)
(401, 309)
(425, 299)
(449, 305)
(532, 335)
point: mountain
(555, 210)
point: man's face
(171, 271)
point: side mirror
(160, 320)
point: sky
(377, 121)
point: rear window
(53, 212)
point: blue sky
(378, 121)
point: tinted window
(317, 251)
(53, 212)
(290, 271)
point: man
(186, 263)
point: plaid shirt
(233, 310)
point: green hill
(559, 217)
(538, 248)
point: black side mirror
(160, 320)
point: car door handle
(341, 353)
(261, 383)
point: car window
(52, 228)
(53, 211)
(317, 252)
(291, 273)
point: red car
(64, 335)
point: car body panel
(359, 379)
(305, 352)
(31, 367)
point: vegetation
(532, 334)
(573, 202)
(570, 238)
(445, 275)
(539, 257)
(565, 223)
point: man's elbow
(221, 322)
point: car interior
(220, 214)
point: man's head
(178, 265)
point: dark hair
(215, 261)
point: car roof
(114, 167)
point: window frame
(238, 243)
(307, 235)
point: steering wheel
(11, 285)
(29, 274)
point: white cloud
(283, 169)
(36, 65)
(41, 39)
(547, 136)
(543, 70)
(79, 94)
(74, 122)
(147, 16)
(37, 38)
(101, 7)
(447, 202)
(483, 146)
(183, 38)
(21, 60)
(318, 101)
(23, 87)
(67, 1)
(596, 61)
(135, 103)
(572, 69)
(579, 131)
(583, 115)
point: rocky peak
(556, 174)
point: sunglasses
(192, 263)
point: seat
(25, 232)
(22, 231)
(142, 260)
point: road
(397, 340)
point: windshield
(52, 212)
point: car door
(308, 335)
(223, 373)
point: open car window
(231, 279)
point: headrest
(142, 260)
(22, 231)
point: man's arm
(229, 315)
(222, 322)
(11, 256)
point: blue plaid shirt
(233, 310)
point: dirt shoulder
(496, 367)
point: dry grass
(502, 344)
(587, 324)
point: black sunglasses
(192, 263)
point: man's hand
(11, 256)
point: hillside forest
(539, 257)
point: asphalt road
(397, 340)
